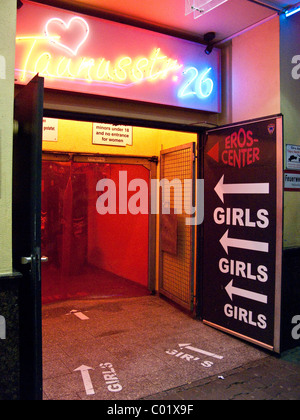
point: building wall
(76, 137)
(290, 107)
(7, 61)
(261, 77)
(255, 72)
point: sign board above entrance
(112, 135)
(89, 55)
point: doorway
(116, 254)
(91, 255)
(101, 287)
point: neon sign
(203, 85)
(67, 26)
(89, 55)
(125, 69)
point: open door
(27, 153)
(242, 247)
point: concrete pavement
(145, 348)
(272, 378)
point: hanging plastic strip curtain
(90, 255)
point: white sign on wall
(2, 67)
(291, 181)
(112, 135)
(293, 157)
(50, 129)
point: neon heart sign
(49, 29)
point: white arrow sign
(227, 242)
(221, 188)
(86, 379)
(206, 353)
(231, 290)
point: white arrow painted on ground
(227, 242)
(206, 353)
(231, 290)
(89, 389)
(221, 188)
(79, 315)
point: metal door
(177, 236)
(27, 151)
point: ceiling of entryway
(226, 20)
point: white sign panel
(292, 181)
(50, 129)
(112, 135)
(2, 67)
(293, 157)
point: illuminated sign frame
(84, 54)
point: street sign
(243, 230)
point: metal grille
(176, 271)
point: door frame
(62, 113)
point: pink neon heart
(66, 27)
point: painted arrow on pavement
(79, 315)
(231, 290)
(227, 242)
(89, 389)
(206, 353)
(221, 188)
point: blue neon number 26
(200, 85)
